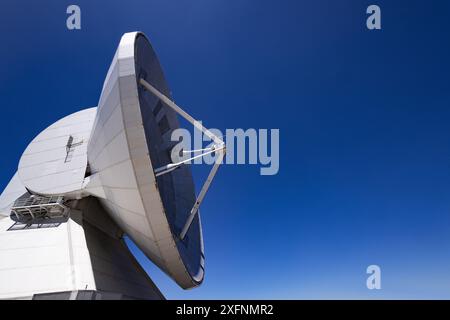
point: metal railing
(34, 206)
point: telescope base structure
(79, 257)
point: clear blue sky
(363, 117)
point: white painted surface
(45, 167)
(84, 253)
(43, 260)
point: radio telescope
(97, 175)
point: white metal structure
(97, 175)
(49, 166)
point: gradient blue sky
(363, 117)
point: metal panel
(55, 161)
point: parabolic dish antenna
(119, 153)
(152, 199)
